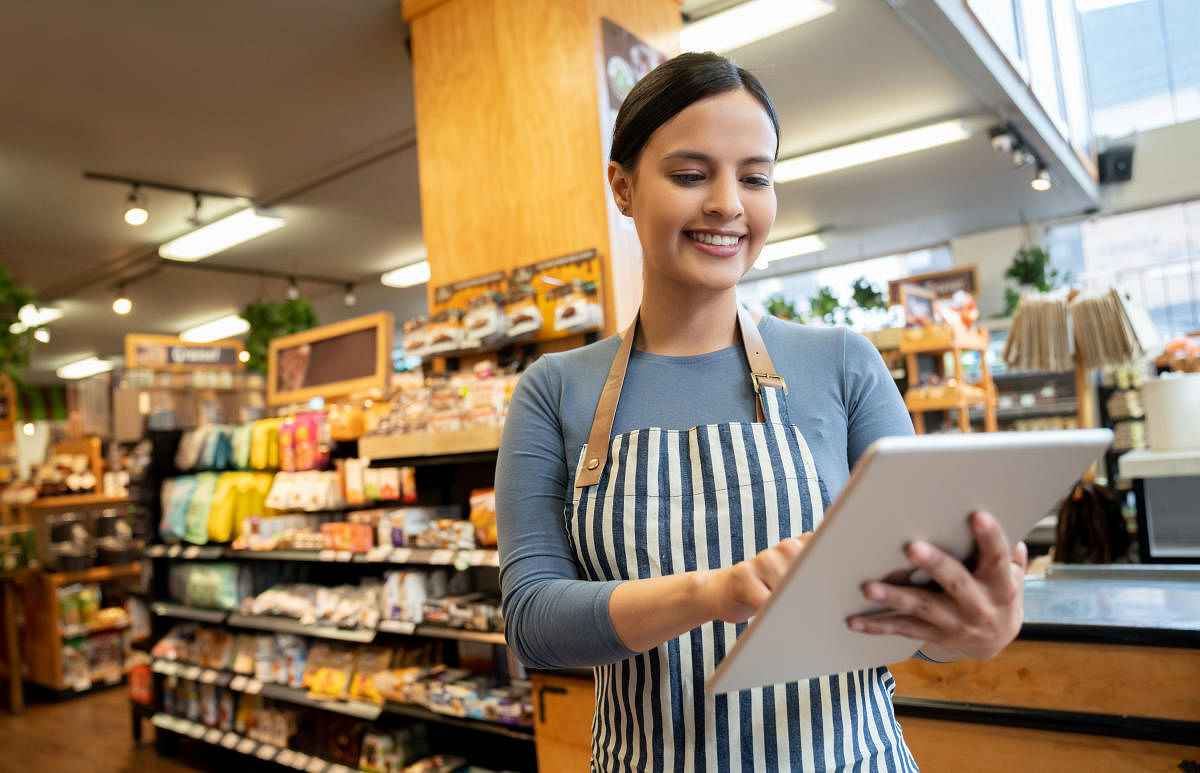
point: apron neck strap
(762, 374)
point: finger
(770, 565)
(948, 572)
(1020, 556)
(922, 604)
(995, 549)
(896, 625)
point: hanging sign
(155, 352)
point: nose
(724, 199)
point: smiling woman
(638, 535)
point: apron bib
(654, 502)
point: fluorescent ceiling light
(30, 316)
(789, 248)
(217, 330)
(1084, 6)
(84, 368)
(748, 22)
(210, 239)
(867, 151)
(407, 276)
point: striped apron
(654, 502)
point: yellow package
(220, 515)
(264, 444)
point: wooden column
(510, 145)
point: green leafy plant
(778, 306)
(15, 348)
(866, 296)
(271, 320)
(1031, 267)
(825, 305)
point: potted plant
(15, 347)
(1031, 270)
(271, 320)
(826, 306)
(778, 306)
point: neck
(681, 324)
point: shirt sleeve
(874, 406)
(552, 618)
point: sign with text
(942, 284)
(156, 352)
(331, 361)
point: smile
(716, 240)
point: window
(800, 287)
(1153, 254)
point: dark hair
(669, 88)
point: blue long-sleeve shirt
(840, 395)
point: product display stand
(955, 394)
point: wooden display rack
(939, 339)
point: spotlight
(28, 428)
(349, 298)
(1041, 181)
(194, 220)
(293, 290)
(42, 335)
(1003, 141)
(1022, 158)
(243, 356)
(135, 208)
(121, 304)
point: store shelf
(949, 398)
(1063, 408)
(246, 746)
(87, 629)
(386, 556)
(81, 501)
(184, 612)
(975, 340)
(420, 712)
(421, 444)
(441, 632)
(287, 625)
(95, 574)
(1146, 463)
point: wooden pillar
(510, 146)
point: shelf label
(380, 553)
(246, 746)
(401, 555)
(209, 677)
(174, 551)
(230, 740)
(213, 736)
(192, 551)
(316, 766)
(196, 731)
(253, 687)
(398, 626)
(192, 673)
(442, 557)
(477, 557)
(239, 683)
(345, 555)
(300, 760)
(327, 555)
(285, 757)
(266, 752)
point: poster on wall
(332, 360)
(626, 61)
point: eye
(687, 178)
(758, 180)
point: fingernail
(919, 550)
(875, 592)
(984, 521)
(857, 625)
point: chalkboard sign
(332, 361)
(942, 284)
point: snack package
(266, 658)
(330, 679)
(244, 650)
(195, 529)
(293, 654)
(377, 750)
(416, 337)
(524, 316)
(571, 308)
(445, 331)
(372, 662)
(485, 322)
(404, 595)
(346, 422)
(483, 516)
(311, 441)
(212, 585)
(287, 444)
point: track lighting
(1041, 181)
(293, 290)
(243, 356)
(135, 208)
(349, 299)
(42, 335)
(1022, 158)
(122, 304)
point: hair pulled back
(669, 88)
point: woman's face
(702, 194)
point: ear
(621, 183)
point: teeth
(714, 239)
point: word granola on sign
(525, 274)
(445, 292)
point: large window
(1143, 63)
(1154, 254)
(799, 288)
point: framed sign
(155, 352)
(943, 284)
(332, 360)
(918, 305)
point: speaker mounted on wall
(1116, 164)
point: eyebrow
(698, 156)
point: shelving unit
(429, 444)
(957, 396)
(387, 556)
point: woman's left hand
(976, 613)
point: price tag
(239, 683)
(285, 757)
(300, 760)
(493, 558)
(442, 557)
(401, 555)
(196, 731)
(246, 745)
(316, 766)
(209, 677)
(212, 736)
(266, 752)
(192, 551)
(230, 740)
(345, 556)
(253, 687)
(398, 626)
(192, 673)
(174, 551)
(478, 557)
(377, 554)
(327, 555)
(339, 769)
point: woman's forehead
(732, 124)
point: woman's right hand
(735, 593)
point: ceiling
(308, 108)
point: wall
(992, 252)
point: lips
(715, 243)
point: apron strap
(762, 374)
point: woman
(638, 536)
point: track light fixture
(349, 298)
(135, 207)
(293, 290)
(42, 335)
(1041, 181)
(122, 304)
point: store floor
(92, 734)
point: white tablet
(903, 488)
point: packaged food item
(293, 655)
(408, 485)
(445, 331)
(571, 308)
(329, 677)
(209, 705)
(195, 528)
(389, 484)
(371, 479)
(351, 481)
(524, 316)
(311, 440)
(483, 516)
(372, 662)
(287, 444)
(485, 322)
(346, 422)
(244, 651)
(212, 585)
(377, 749)
(416, 337)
